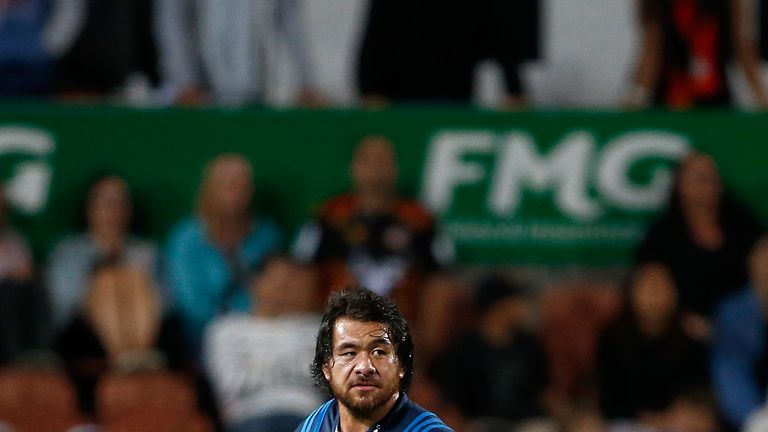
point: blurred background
(567, 199)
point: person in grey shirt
(108, 212)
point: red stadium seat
(149, 401)
(572, 318)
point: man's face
(364, 372)
(373, 167)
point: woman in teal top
(210, 255)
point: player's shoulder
(315, 420)
(418, 419)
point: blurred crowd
(215, 330)
(206, 52)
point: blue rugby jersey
(405, 416)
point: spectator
(226, 48)
(211, 254)
(685, 47)
(372, 236)
(100, 45)
(25, 61)
(22, 304)
(375, 238)
(645, 360)
(704, 238)
(257, 361)
(107, 213)
(120, 327)
(496, 374)
(428, 51)
(740, 349)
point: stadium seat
(148, 401)
(572, 318)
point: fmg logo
(27, 188)
(573, 166)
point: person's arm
(648, 59)
(184, 280)
(732, 367)
(745, 49)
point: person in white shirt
(258, 362)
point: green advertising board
(529, 187)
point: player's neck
(354, 422)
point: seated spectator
(704, 238)
(497, 373)
(107, 236)
(645, 359)
(375, 238)
(119, 327)
(22, 304)
(257, 362)
(740, 348)
(211, 254)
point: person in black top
(704, 238)
(495, 374)
(645, 360)
(427, 51)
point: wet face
(363, 372)
(374, 167)
(231, 187)
(700, 183)
(109, 205)
(654, 298)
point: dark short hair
(361, 304)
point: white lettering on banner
(567, 169)
(612, 178)
(28, 187)
(445, 169)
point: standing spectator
(704, 238)
(226, 47)
(427, 51)
(211, 254)
(25, 62)
(645, 360)
(99, 45)
(257, 361)
(740, 349)
(107, 237)
(496, 374)
(22, 303)
(685, 48)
